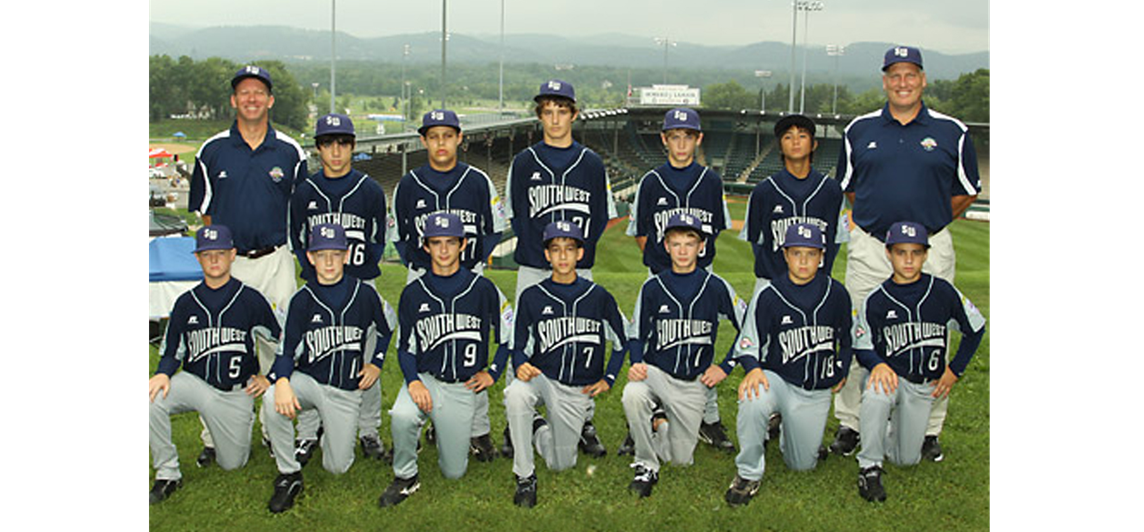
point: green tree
(729, 95)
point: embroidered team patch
(746, 343)
(928, 144)
(276, 174)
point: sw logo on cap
(681, 116)
(687, 219)
(909, 231)
(210, 234)
(333, 121)
(902, 52)
(253, 70)
(327, 232)
(441, 221)
(436, 116)
(564, 226)
(554, 85)
(804, 232)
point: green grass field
(951, 495)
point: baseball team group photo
(588, 306)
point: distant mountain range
(247, 43)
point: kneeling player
(677, 318)
(445, 317)
(211, 334)
(324, 364)
(900, 336)
(795, 347)
(562, 325)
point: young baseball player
(795, 347)
(448, 185)
(673, 351)
(446, 316)
(324, 363)
(796, 194)
(562, 326)
(681, 185)
(211, 336)
(339, 194)
(557, 179)
(901, 337)
(243, 179)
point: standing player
(903, 162)
(562, 326)
(243, 179)
(447, 185)
(676, 322)
(557, 179)
(682, 185)
(795, 347)
(901, 338)
(797, 194)
(339, 194)
(446, 317)
(211, 335)
(323, 364)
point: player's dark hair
(578, 243)
(558, 101)
(326, 140)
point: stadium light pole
(500, 102)
(444, 39)
(666, 42)
(808, 7)
(404, 99)
(835, 51)
(333, 51)
(793, 34)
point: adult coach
(557, 179)
(902, 162)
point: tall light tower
(444, 39)
(333, 50)
(500, 101)
(835, 51)
(666, 43)
(807, 7)
(793, 33)
(404, 97)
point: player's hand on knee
(369, 375)
(749, 388)
(637, 372)
(884, 377)
(596, 389)
(527, 371)
(713, 376)
(945, 384)
(285, 402)
(160, 382)
(257, 385)
(479, 382)
(421, 397)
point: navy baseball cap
(443, 224)
(439, 117)
(681, 118)
(682, 220)
(902, 54)
(907, 233)
(327, 236)
(334, 124)
(558, 88)
(789, 121)
(251, 71)
(562, 229)
(804, 236)
(213, 237)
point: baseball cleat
(589, 443)
(741, 491)
(286, 487)
(371, 447)
(714, 435)
(822, 452)
(870, 484)
(163, 489)
(931, 449)
(399, 490)
(525, 492)
(206, 458)
(304, 450)
(645, 479)
(628, 447)
(773, 425)
(431, 435)
(482, 448)
(845, 441)
(506, 449)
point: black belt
(256, 253)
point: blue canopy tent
(173, 270)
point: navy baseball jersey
(783, 200)
(677, 321)
(546, 184)
(211, 333)
(354, 201)
(906, 172)
(445, 324)
(802, 333)
(905, 326)
(664, 191)
(248, 190)
(328, 328)
(465, 191)
(562, 329)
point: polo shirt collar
(236, 136)
(923, 117)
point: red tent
(159, 152)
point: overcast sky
(949, 26)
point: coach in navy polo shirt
(902, 162)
